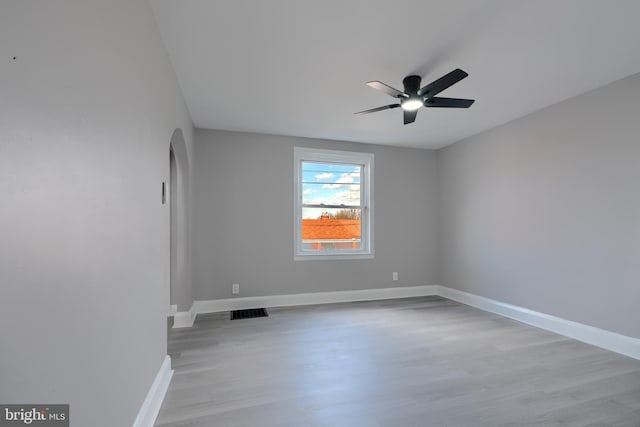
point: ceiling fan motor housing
(411, 85)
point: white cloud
(325, 175)
(331, 186)
(345, 178)
(308, 191)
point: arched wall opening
(180, 283)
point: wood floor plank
(424, 361)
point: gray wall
(544, 212)
(87, 111)
(243, 219)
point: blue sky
(331, 184)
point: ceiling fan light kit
(413, 97)
(411, 104)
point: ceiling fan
(413, 97)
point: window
(334, 207)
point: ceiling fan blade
(437, 86)
(410, 116)
(373, 110)
(448, 102)
(387, 89)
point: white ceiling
(299, 67)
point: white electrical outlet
(235, 288)
(395, 276)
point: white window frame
(302, 154)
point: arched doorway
(173, 229)
(179, 281)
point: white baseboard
(228, 304)
(152, 403)
(185, 319)
(591, 335)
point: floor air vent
(249, 313)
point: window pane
(331, 229)
(331, 184)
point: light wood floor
(409, 362)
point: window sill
(336, 257)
